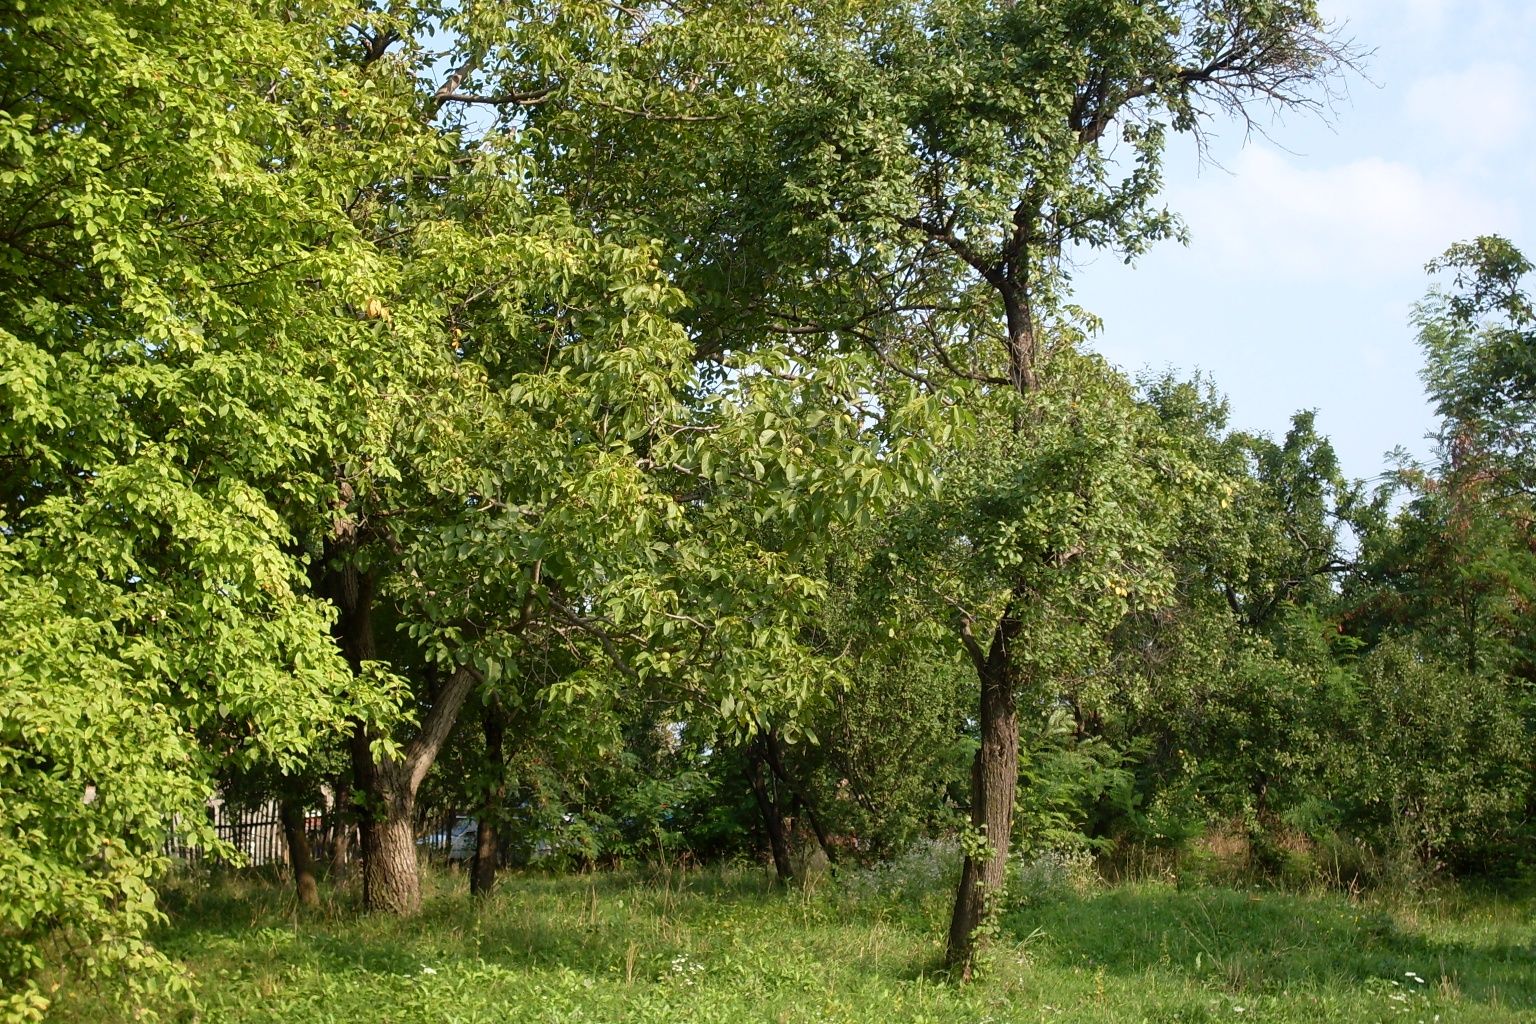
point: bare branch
(503, 99)
(597, 627)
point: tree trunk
(341, 828)
(773, 819)
(352, 593)
(994, 782)
(391, 873)
(774, 749)
(291, 813)
(995, 771)
(482, 875)
(386, 790)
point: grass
(725, 946)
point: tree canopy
(662, 430)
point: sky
(1308, 246)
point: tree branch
(503, 99)
(423, 750)
(593, 625)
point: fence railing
(257, 834)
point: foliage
(1065, 781)
(1447, 582)
(182, 330)
(891, 755)
(1434, 759)
(701, 392)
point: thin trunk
(341, 827)
(291, 813)
(994, 782)
(773, 819)
(774, 748)
(352, 592)
(482, 876)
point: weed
(724, 945)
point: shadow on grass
(1273, 942)
(629, 927)
(626, 924)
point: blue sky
(1308, 247)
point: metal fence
(257, 834)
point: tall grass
(727, 945)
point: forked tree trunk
(994, 782)
(391, 874)
(300, 859)
(385, 789)
(773, 817)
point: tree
(966, 148)
(910, 181)
(183, 324)
(546, 460)
(1455, 562)
(1447, 582)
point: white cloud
(1437, 31)
(1482, 108)
(1365, 219)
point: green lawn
(724, 946)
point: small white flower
(428, 970)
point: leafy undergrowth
(725, 946)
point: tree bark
(994, 782)
(387, 788)
(482, 875)
(774, 749)
(391, 872)
(300, 860)
(773, 819)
